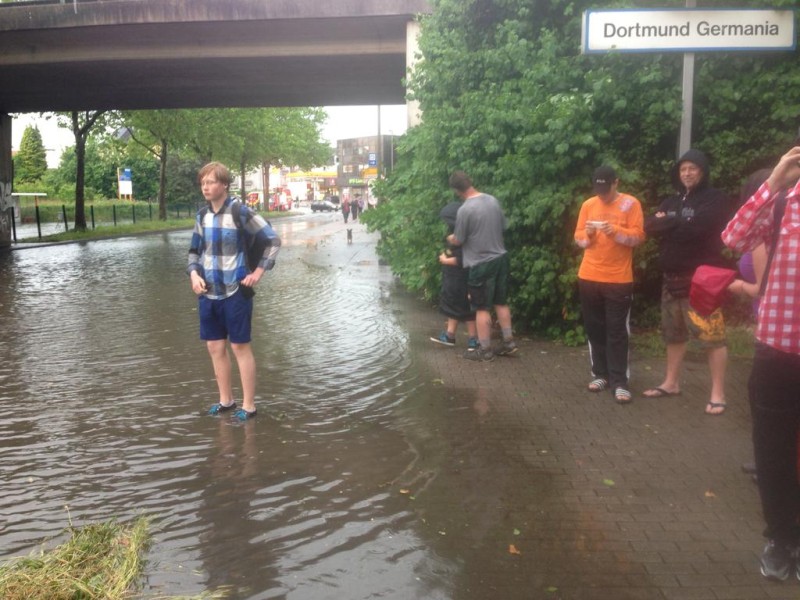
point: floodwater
(103, 388)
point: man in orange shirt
(610, 225)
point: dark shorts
(488, 283)
(679, 321)
(228, 318)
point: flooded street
(380, 465)
(104, 386)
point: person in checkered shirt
(774, 385)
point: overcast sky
(343, 122)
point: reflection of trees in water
(236, 567)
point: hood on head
(698, 158)
(448, 214)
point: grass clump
(98, 561)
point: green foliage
(240, 138)
(182, 187)
(506, 96)
(30, 163)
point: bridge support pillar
(6, 178)
(413, 115)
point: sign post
(687, 98)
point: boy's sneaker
(776, 561)
(507, 348)
(473, 344)
(243, 415)
(444, 339)
(220, 408)
(479, 355)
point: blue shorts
(228, 318)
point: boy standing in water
(220, 277)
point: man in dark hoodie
(687, 226)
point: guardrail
(111, 215)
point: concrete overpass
(147, 54)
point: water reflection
(104, 384)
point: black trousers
(774, 390)
(606, 311)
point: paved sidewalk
(601, 501)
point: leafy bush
(506, 96)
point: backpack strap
(778, 209)
(236, 210)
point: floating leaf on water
(512, 549)
(438, 381)
(517, 531)
(552, 589)
(609, 482)
(405, 491)
(710, 494)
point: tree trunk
(162, 183)
(80, 180)
(265, 171)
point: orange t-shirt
(609, 258)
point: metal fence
(43, 220)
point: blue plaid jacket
(218, 247)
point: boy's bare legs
(218, 350)
(247, 371)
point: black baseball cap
(603, 178)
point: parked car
(323, 206)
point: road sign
(687, 30)
(373, 159)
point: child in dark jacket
(454, 301)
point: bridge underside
(149, 54)
(283, 62)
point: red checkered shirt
(779, 313)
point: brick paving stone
(611, 502)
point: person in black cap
(687, 226)
(610, 226)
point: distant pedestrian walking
(345, 209)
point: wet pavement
(381, 465)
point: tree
(156, 130)
(246, 138)
(30, 163)
(506, 96)
(240, 138)
(81, 124)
